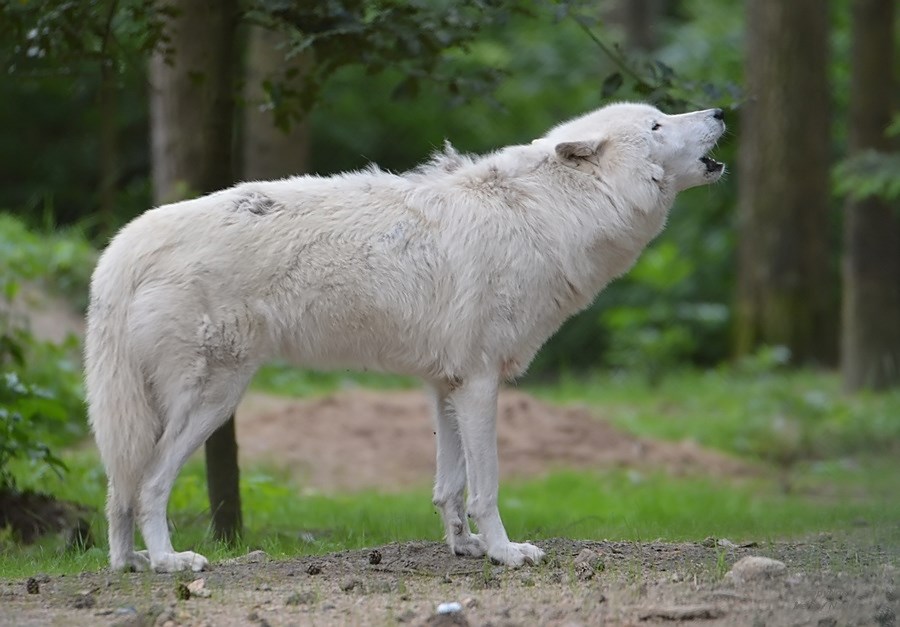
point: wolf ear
(575, 153)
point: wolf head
(638, 141)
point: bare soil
(826, 582)
(359, 439)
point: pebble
(313, 569)
(755, 568)
(587, 563)
(198, 588)
(449, 608)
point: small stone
(828, 621)
(198, 588)
(449, 608)
(350, 584)
(313, 569)
(42, 578)
(725, 543)
(677, 577)
(328, 606)
(32, 586)
(470, 602)
(375, 557)
(253, 557)
(587, 563)
(264, 587)
(709, 542)
(755, 568)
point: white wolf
(456, 272)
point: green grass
(618, 505)
(839, 453)
(779, 416)
(287, 381)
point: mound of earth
(359, 439)
(29, 515)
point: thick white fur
(455, 272)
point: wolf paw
(136, 561)
(470, 545)
(174, 562)
(516, 554)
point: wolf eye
(656, 126)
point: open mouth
(712, 165)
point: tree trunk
(192, 119)
(785, 282)
(270, 152)
(109, 153)
(870, 356)
(192, 101)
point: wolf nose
(718, 114)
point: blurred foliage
(870, 172)
(21, 407)
(389, 83)
(41, 396)
(60, 260)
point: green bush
(26, 412)
(41, 395)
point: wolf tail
(124, 422)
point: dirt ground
(825, 582)
(368, 439)
(333, 443)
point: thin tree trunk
(109, 154)
(192, 121)
(268, 151)
(870, 356)
(786, 294)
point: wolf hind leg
(194, 423)
(120, 517)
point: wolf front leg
(450, 479)
(475, 405)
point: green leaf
(611, 85)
